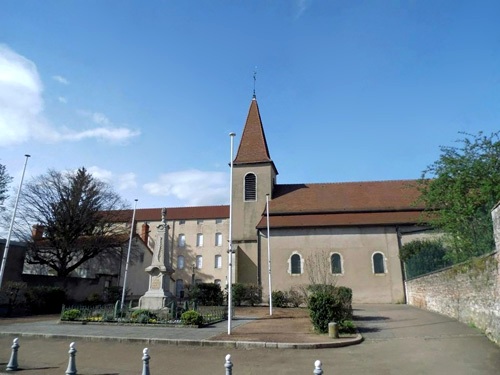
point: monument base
(154, 300)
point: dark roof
(177, 213)
(253, 145)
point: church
(353, 231)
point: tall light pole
(7, 244)
(230, 250)
(132, 230)
(269, 258)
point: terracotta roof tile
(344, 197)
(177, 213)
(253, 146)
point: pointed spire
(253, 145)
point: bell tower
(254, 176)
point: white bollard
(318, 368)
(228, 365)
(71, 370)
(12, 365)
(145, 362)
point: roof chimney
(145, 233)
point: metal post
(228, 365)
(230, 250)
(318, 370)
(12, 365)
(132, 230)
(71, 370)
(7, 244)
(269, 258)
(145, 362)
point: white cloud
(301, 6)
(62, 99)
(60, 79)
(22, 108)
(193, 186)
(119, 181)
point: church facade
(349, 232)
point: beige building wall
(356, 246)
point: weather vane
(254, 80)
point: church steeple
(253, 145)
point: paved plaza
(398, 339)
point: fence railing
(13, 364)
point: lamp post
(7, 243)
(269, 258)
(230, 240)
(132, 230)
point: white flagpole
(7, 244)
(132, 230)
(269, 258)
(230, 250)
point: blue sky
(145, 93)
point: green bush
(347, 326)
(207, 294)
(44, 299)
(238, 292)
(330, 305)
(191, 317)
(294, 298)
(72, 314)
(142, 315)
(279, 298)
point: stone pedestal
(159, 271)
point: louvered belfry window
(250, 187)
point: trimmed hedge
(330, 304)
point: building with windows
(352, 231)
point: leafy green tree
(459, 191)
(5, 180)
(78, 214)
(423, 256)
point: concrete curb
(338, 343)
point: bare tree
(75, 215)
(5, 180)
(319, 269)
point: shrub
(238, 293)
(44, 299)
(294, 297)
(207, 294)
(325, 307)
(347, 326)
(279, 298)
(191, 317)
(72, 314)
(246, 293)
(142, 316)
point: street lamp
(269, 258)
(7, 244)
(230, 249)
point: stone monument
(159, 271)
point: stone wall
(468, 292)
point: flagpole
(7, 244)
(132, 230)
(269, 258)
(230, 240)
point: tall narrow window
(179, 288)
(218, 239)
(199, 239)
(295, 264)
(181, 242)
(180, 262)
(218, 261)
(378, 263)
(250, 187)
(199, 262)
(336, 262)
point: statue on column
(159, 271)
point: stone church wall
(469, 293)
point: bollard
(333, 330)
(228, 365)
(71, 370)
(317, 368)
(12, 365)
(145, 362)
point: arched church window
(336, 261)
(378, 263)
(295, 264)
(250, 187)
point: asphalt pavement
(398, 339)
